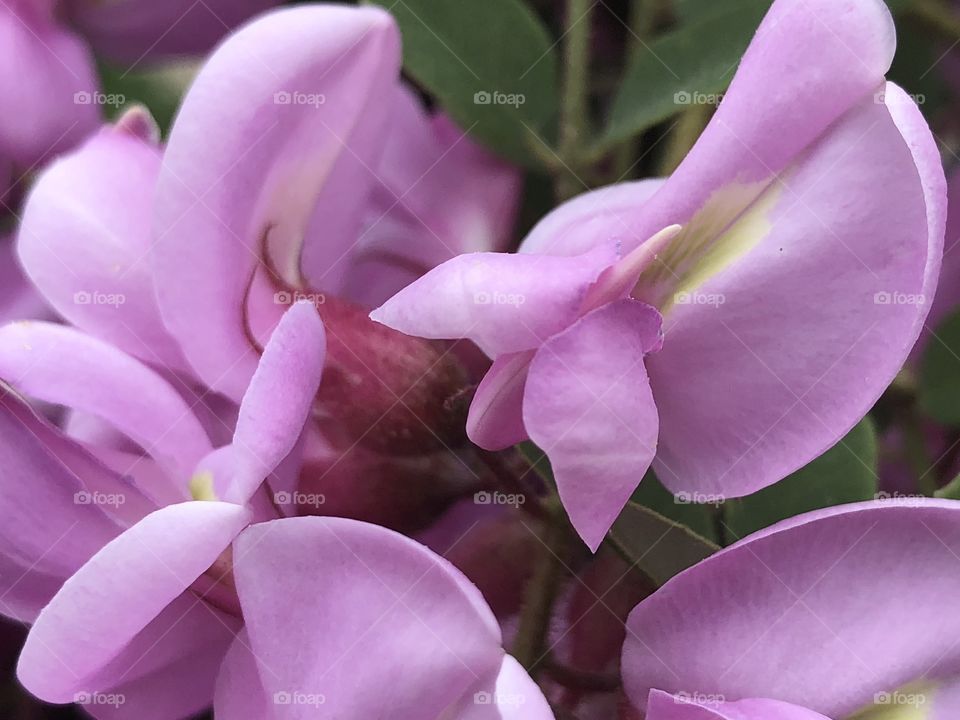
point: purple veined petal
(279, 399)
(48, 75)
(239, 691)
(24, 591)
(594, 217)
(495, 420)
(810, 595)
(589, 407)
(697, 706)
(505, 303)
(119, 592)
(84, 242)
(377, 605)
(782, 99)
(509, 695)
(134, 31)
(269, 140)
(774, 357)
(47, 523)
(61, 365)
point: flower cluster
(300, 432)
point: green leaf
(696, 60)
(491, 64)
(845, 473)
(657, 545)
(939, 381)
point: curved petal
(269, 139)
(279, 399)
(697, 706)
(782, 98)
(773, 358)
(48, 76)
(588, 406)
(495, 420)
(377, 605)
(61, 365)
(137, 30)
(505, 303)
(594, 217)
(85, 238)
(511, 694)
(119, 592)
(47, 524)
(802, 612)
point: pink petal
(85, 238)
(61, 365)
(378, 606)
(119, 592)
(269, 137)
(802, 612)
(505, 303)
(589, 407)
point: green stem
(950, 491)
(574, 107)
(915, 446)
(683, 137)
(540, 594)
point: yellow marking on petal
(734, 220)
(201, 486)
(912, 702)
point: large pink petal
(119, 592)
(699, 706)
(589, 407)
(61, 365)
(504, 302)
(495, 420)
(594, 217)
(85, 238)
(778, 354)
(335, 606)
(278, 131)
(803, 611)
(782, 98)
